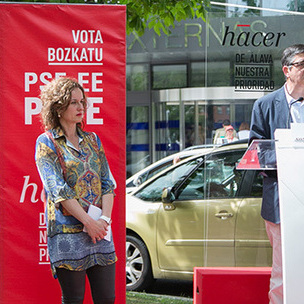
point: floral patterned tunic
(83, 175)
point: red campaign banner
(39, 42)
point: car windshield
(153, 191)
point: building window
(197, 74)
(169, 76)
(219, 74)
(219, 110)
(137, 77)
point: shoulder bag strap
(58, 152)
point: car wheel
(138, 265)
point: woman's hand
(97, 230)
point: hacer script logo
(249, 37)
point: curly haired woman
(75, 175)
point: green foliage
(297, 5)
(157, 14)
(143, 298)
(161, 14)
(251, 12)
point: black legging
(102, 282)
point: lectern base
(231, 285)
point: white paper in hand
(95, 213)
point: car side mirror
(167, 199)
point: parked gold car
(200, 212)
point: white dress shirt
(296, 110)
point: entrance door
(166, 135)
(138, 150)
(195, 122)
(183, 118)
(180, 125)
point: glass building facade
(181, 87)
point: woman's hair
(290, 52)
(55, 97)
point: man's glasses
(299, 64)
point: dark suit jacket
(269, 113)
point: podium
(290, 162)
(286, 154)
(231, 285)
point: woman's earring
(59, 115)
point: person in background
(220, 134)
(269, 113)
(230, 132)
(75, 176)
(176, 159)
(243, 132)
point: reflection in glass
(137, 77)
(137, 139)
(216, 178)
(153, 191)
(169, 76)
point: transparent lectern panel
(260, 155)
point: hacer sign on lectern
(285, 154)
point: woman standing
(75, 175)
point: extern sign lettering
(198, 35)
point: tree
(296, 5)
(161, 14)
(157, 14)
(250, 11)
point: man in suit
(269, 113)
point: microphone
(300, 99)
